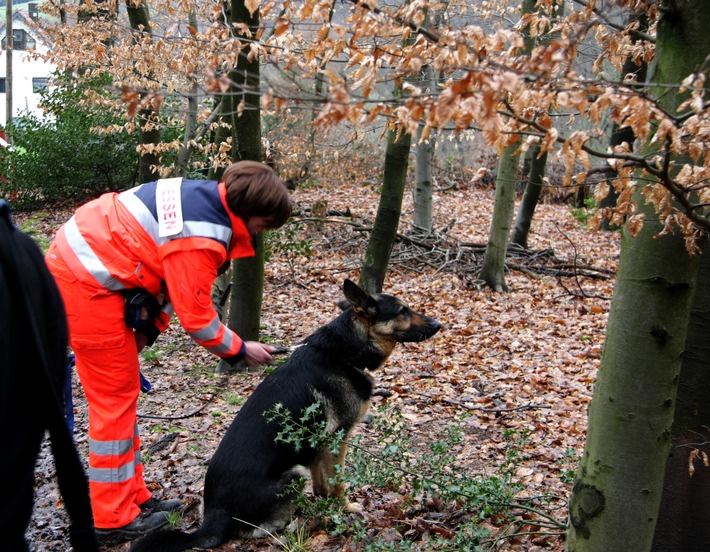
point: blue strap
(69, 400)
(145, 384)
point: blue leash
(69, 400)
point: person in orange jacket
(123, 263)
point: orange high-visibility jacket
(172, 234)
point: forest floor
(503, 388)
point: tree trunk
(617, 492)
(536, 162)
(493, 269)
(247, 274)
(684, 516)
(185, 152)
(531, 196)
(221, 290)
(422, 193)
(246, 291)
(384, 230)
(148, 123)
(9, 77)
(318, 89)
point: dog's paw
(353, 508)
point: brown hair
(254, 190)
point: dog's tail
(213, 532)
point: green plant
(568, 471)
(296, 540)
(583, 214)
(287, 242)
(63, 156)
(308, 430)
(174, 518)
(436, 474)
(390, 462)
(233, 399)
(151, 355)
(30, 228)
(393, 455)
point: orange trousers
(108, 368)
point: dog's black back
(249, 472)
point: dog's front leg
(323, 472)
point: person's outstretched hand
(257, 353)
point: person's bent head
(254, 190)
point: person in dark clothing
(33, 363)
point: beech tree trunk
(684, 517)
(493, 268)
(247, 274)
(537, 162)
(389, 209)
(422, 194)
(185, 152)
(148, 125)
(531, 196)
(617, 492)
(221, 290)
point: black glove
(142, 308)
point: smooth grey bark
(618, 486)
(493, 267)
(619, 482)
(221, 290)
(185, 152)
(389, 209)
(531, 196)
(536, 163)
(684, 515)
(248, 273)
(422, 193)
(148, 126)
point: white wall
(24, 69)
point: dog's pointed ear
(361, 302)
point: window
(39, 84)
(21, 40)
(2, 85)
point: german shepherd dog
(246, 483)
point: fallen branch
(468, 406)
(441, 252)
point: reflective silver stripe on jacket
(209, 332)
(88, 258)
(141, 213)
(191, 228)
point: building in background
(30, 76)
